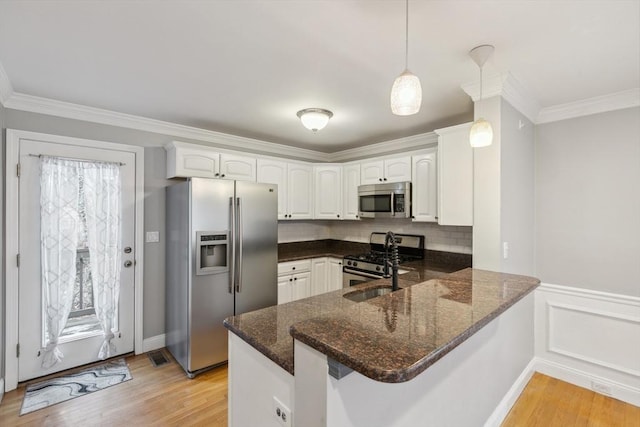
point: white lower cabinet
(294, 280)
(305, 278)
(319, 275)
(334, 281)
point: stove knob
(355, 264)
(348, 262)
(377, 268)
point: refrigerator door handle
(239, 244)
(232, 246)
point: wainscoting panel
(589, 338)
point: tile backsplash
(437, 237)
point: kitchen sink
(366, 294)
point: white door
(82, 336)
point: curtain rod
(76, 160)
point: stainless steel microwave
(388, 200)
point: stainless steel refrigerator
(221, 260)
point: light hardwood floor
(549, 402)
(161, 396)
(164, 396)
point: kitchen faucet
(393, 262)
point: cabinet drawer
(294, 266)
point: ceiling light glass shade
(481, 133)
(314, 118)
(406, 94)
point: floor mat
(67, 387)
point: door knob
(128, 263)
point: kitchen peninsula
(423, 354)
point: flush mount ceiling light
(406, 92)
(481, 133)
(314, 118)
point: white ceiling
(247, 67)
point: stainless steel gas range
(360, 268)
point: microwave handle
(393, 204)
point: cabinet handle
(295, 278)
(217, 174)
(383, 178)
(291, 280)
(293, 268)
(357, 216)
(222, 176)
(413, 217)
(380, 179)
(338, 215)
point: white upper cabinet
(424, 187)
(300, 191)
(386, 169)
(455, 176)
(240, 168)
(275, 172)
(397, 169)
(328, 191)
(295, 186)
(350, 183)
(189, 160)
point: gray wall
(153, 193)
(517, 175)
(588, 202)
(2, 150)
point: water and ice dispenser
(212, 252)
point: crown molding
(34, 104)
(410, 143)
(6, 90)
(599, 104)
(509, 88)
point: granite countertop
(410, 329)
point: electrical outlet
(153, 236)
(281, 413)
(601, 388)
(505, 250)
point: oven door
(353, 277)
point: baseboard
(502, 410)
(153, 343)
(586, 338)
(589, 381)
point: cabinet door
(397, 169)
(328, 191)
(285, 285)
(190, 162)
(319, 275)
(300, 190)
(275, 172)
(424, 187)
(350, 183)
(237, 167)
(455, 176)
(301, 286)
(372, 172)
(335, 275)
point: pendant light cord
(406, 36)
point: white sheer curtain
(103, 217)
(59, 225)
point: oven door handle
(361, 273)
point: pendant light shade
(314, 119)
(481, 133)
(406, 94)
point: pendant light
(314, 119)
(406, 93)
(481, 133)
